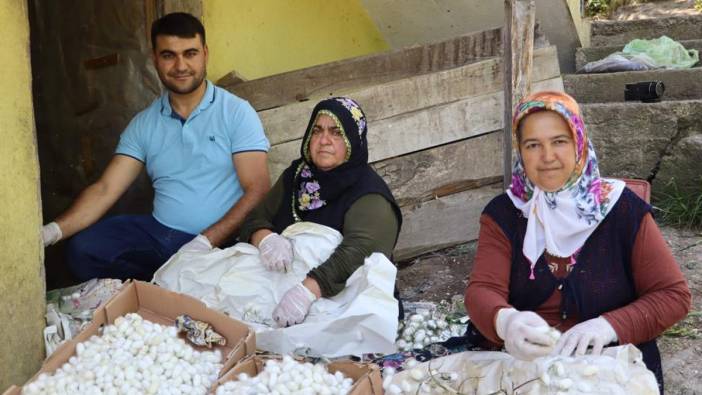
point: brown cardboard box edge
(366, 377)
(158, 305)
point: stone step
(609, 87)
(584, 56)
(662, 141)
(609, 33)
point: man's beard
(197, 81)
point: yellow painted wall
(258, 38)
(21, 255)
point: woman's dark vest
(332, 214)
(600, 281)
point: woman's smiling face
(547, 149)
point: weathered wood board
(443, 222)
(444, 170)
(409, 94)
(419, 130)
(348, 74)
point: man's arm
(97, 198)
(252, 171)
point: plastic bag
(619, 370)
(69, 310)
(620, 61)
(360, 319)
(662, 52)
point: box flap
(14, 390)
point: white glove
(525, 333)
(51, 234)
(276, 252)
(199, 244)
(294, 306)
(596, 332)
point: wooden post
(517, 48)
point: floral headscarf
(560, 222)
(316, 187)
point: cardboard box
(366, 377)
(161, 306)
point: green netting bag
(665, 52)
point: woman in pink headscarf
(566, 248)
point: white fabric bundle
(360, 319)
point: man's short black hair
(179, 24)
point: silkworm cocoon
(386, 382)
(417, 374)
(416, 318)
(589, 370)
(565, 384)
(560, 370)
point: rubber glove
(276, 252)
(597, 332)
(294, 306)
(524, 333)
(199, 244)
(51, 234)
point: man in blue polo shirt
(205, 152)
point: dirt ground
(655, 9)
(440, 275)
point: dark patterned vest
(600, 281)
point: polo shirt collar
(207, 100)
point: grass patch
(680, 207)
(605, 8)
(687, 328)
(698, 5)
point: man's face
(181, 63)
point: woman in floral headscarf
(567, 248)
(333, 185)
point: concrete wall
(258, 38)
(409, 22)
(22, 279)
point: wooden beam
(444, 170)
(421, 129)
(193, 7)
(409, 94)
(350, 74)
(443, 222)
(518, 59)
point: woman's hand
(596, 332)
(294, 306)
(525, 333)
(276, 252)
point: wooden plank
(520, 16)
(418, 130)
(444, 170)
(443, 222)
(348, 74)
(409, 94)
(103, 61)
(193, 7)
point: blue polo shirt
(189, 160)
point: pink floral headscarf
(560, 222)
